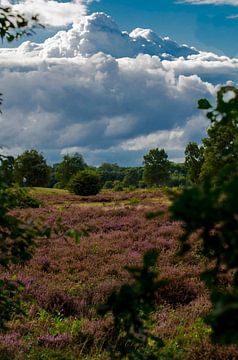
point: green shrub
(142, 185)
(131, 188)
(85, 183)
(117, 186)
(22, 199)
(108, 184)
(133, 201)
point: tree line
(31, 169)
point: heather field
(66, 280)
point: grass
(36, 191)
(62, 199)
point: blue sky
(206, 27)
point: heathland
(66, 280)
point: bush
(70, 166)
(117, 186)
(142, 185)
(108, 184)
(85, 183)
(131, 188)
(22, 199)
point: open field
(65, 280)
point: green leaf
(204, 104)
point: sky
(203, 24)
(107, 86)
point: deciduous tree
(193, 161)
(32, 166)
(6, 169)
(156, 167)
(71, 164)
(132, 176)
(220, 146)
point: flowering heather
(65, 280)
(54, 341)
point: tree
(85, 183)
(110, 172)
(14, 25)
(209, 211)
(6, 169)
(193, 161)
(117, 185)
(156, 167)
(133, 176)
(177, 174)
(32, 166)
(71, 164)
(220, 146)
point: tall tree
(156, 167)
(133, 176)
(221, 144)
(71, 164)
(178, 174)
(110, 172)
(6, 169)
(193, 161)
(31, 166)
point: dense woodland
(146, 271)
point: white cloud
(210, 2)
(51, 12)
(108, 108)
(229, 95)
(99, 32)
(172, 140)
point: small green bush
(22, 199)
(117, 186)
(142, 185)
(108, 184)
(130, 188)
(85, 183)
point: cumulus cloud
(110, 108)
(51, 12)
(99, 32)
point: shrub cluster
(85, 183)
